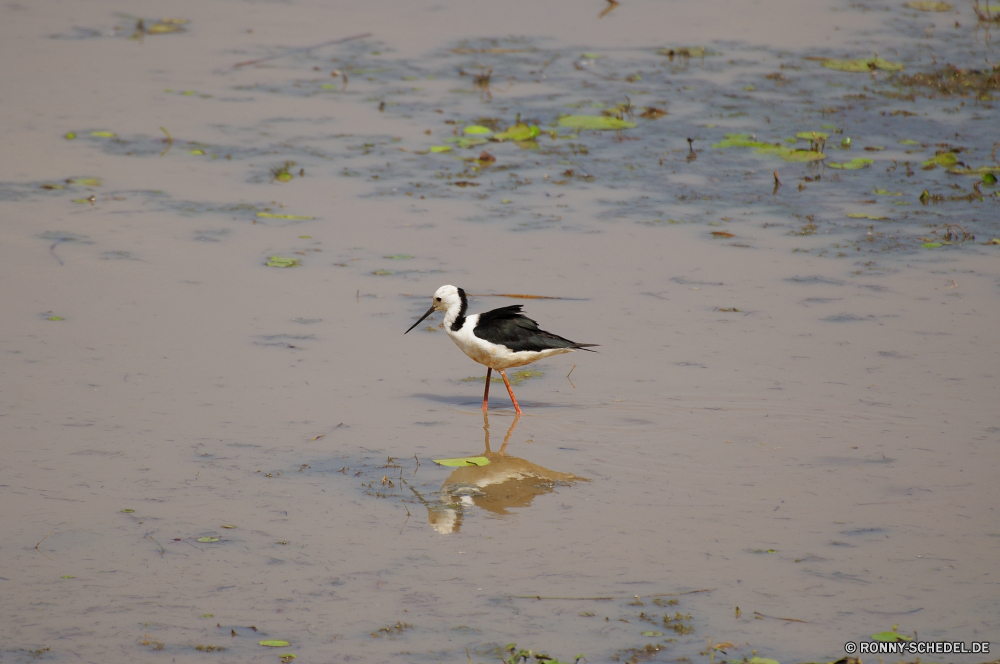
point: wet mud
(780, 223)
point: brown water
(826, 452)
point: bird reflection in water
(505, 482)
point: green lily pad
(470, 142)
(929, 6)
(925, 245)
(86, 182)
(989, 178)
(594, 122)
(852, 165)
(892, 637)
(518, 132)
(229, 526)
(477, 129)
(196, 151)
(274, 643)
(208, 540)
(61, 318)
(67, 576)
(103, 134)
(652, 633)
(269, 215)
(908, 141)
(865, 215)
(812, 135)
(462, 462)
(763, 660)
(740, 141)
(282, 261)
(69, 136)
(945, 159)
(862, 64)
(440, 148)
(886, 192)
(127, 511)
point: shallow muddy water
(788, 439)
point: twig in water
(170, 141)
(302, 49)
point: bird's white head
(448, 299)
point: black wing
(507, 326)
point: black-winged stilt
(499, 339)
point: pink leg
(506, 382)
(486, 394)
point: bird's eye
(437, 299)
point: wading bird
(499, 339)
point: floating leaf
(103, 134)
(127, 511)
(67, 576)
(740, 141)
(196, 151)
(891, 637)
(273, 643)
(206, 615)
(812, 135)
(865, 215)
(229, 526)
(86, 182)
(163, 28)
(477, 129)
(929, 6)
(463, 461)
(268, 215)
(281, 261)
(945, 159)
(722, 234)
(909, 141)
(763, 660)
(208, 540)
(283, 177)
(852, 165)
(886, 192)
(863, 64)
(69, 136)
(594, 122)
(398, 257)
(989, 178)
(518, 132)
(994, 241)
(440, 148)
(925, 245)
(652, 633)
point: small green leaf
(929, 6)
(891, 637)
(282, 261)
(945, 159)
(61, 318)
(463, 461)
(594, 122)
(86, 182)
(103, 134)
(477, 129)
(863, 64)
(206, 615)
(440, 148)
(274, 643)
(518, 132)
(886, 192)
(989, 178)
(67, 576)
(865, 215)
(845, 142)
(398, 257)
(69, 136)
(268, 215)
(284, 177)
(740, 141)
(925, 245)
(909, 141)
(127, 511)
(812, 135)
(652, 633)
(763, 660)
(228, 526)
(208, 540)
(852, 165)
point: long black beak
(429, 312)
